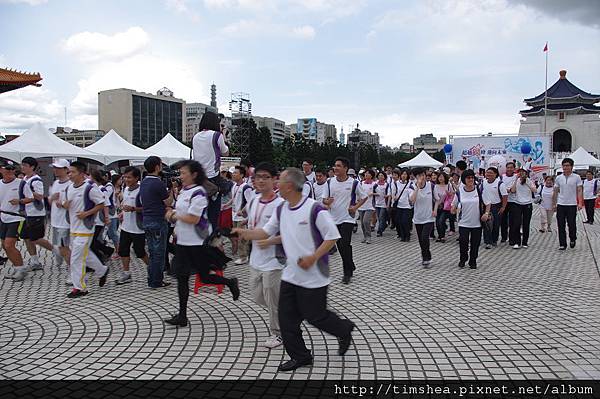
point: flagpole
(546, 93)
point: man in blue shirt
(155, 197)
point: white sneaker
(68, 281)
(19, 275)
(241, 261)
(525, 246)
(10, 273)
(33, 266)
(516, 246)
(124, 278)
(273, 342)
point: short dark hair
(418, 171)
(30, 161)
(568, 161)
(495, 170)
(210, 121)
(308, 161)
(80, 166)
(98, 177)
(151, 163)
(241, 169)
(462, 165)
(194, 167)
(465, 174)
(510, 163)
(266, 167)
(135, 172)
(322, 171)
(344, 161)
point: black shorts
(138, 241)
(34, 228)
(10, 230)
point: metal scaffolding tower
(241, 114)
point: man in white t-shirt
(307, 234)
(567, 199)
(320, 185)
(10, 220)
(341, 198)
(241, 194)
(58, 214)
(265, 267)
(83, 200)
(132, 230)
(309, 174)
(508, 180)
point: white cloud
(305, 32)
(181, 7)
(30, 2)
(94, 46)
(19, 109)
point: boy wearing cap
(58, 214)
(11, 222)
(32, 198)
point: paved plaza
(529, 313)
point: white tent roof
(170, 150)
(116, 148)
(38, 142)
(583, 159)
(422, 159)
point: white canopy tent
(422, 159)
(170, 150)
(38, 142)
(115, 148)
(583, 159)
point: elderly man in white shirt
(305, 278)
(567, 199)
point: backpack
(38, 204)
(311, 191)
(203, 226)
(244, 200)
(88, 204)
(323, 262)
(112, 209)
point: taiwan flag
(546, 47)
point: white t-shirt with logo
(76, 197)
(58, 216)
(402, 192)
(524, 192)
(381, 190)
(469, 208)
(259, 213)
(588, 189)
(341, 192)
(207, 152)
(241, 194)
(319, 190)
(38, 187)
(424, 205)
(489, 192)
(129, 218)
(9, 191)
(186, 233)
(508, 182)
(567, 189)
(296, 238)
(365, 190)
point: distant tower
(213, 96)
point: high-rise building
(357, 137)
(311, 129)
(276, 127)
(141, 118)
(427, 142)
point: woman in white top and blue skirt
(193, 253)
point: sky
(400, 68)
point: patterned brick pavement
(529, 313)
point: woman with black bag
(194, 252)
(208, 146)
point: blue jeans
(113, 231)
(382, 219)
(156, 236)
(491, 236)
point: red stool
(199, 283)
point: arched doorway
(561, 141)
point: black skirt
(198, 259)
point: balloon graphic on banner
(448, 148)
(525, 148)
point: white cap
(351, 172)
(232, 169)
(61, 163)
(113, 173)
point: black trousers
(520, 219)
(589, 209)
(423, 232)
(505, 222)
(344, 245)
(403, 223)
(99, 247)
(190, 260)
(469, 240)
(491, 236)
(566, 214)
(297, 304)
